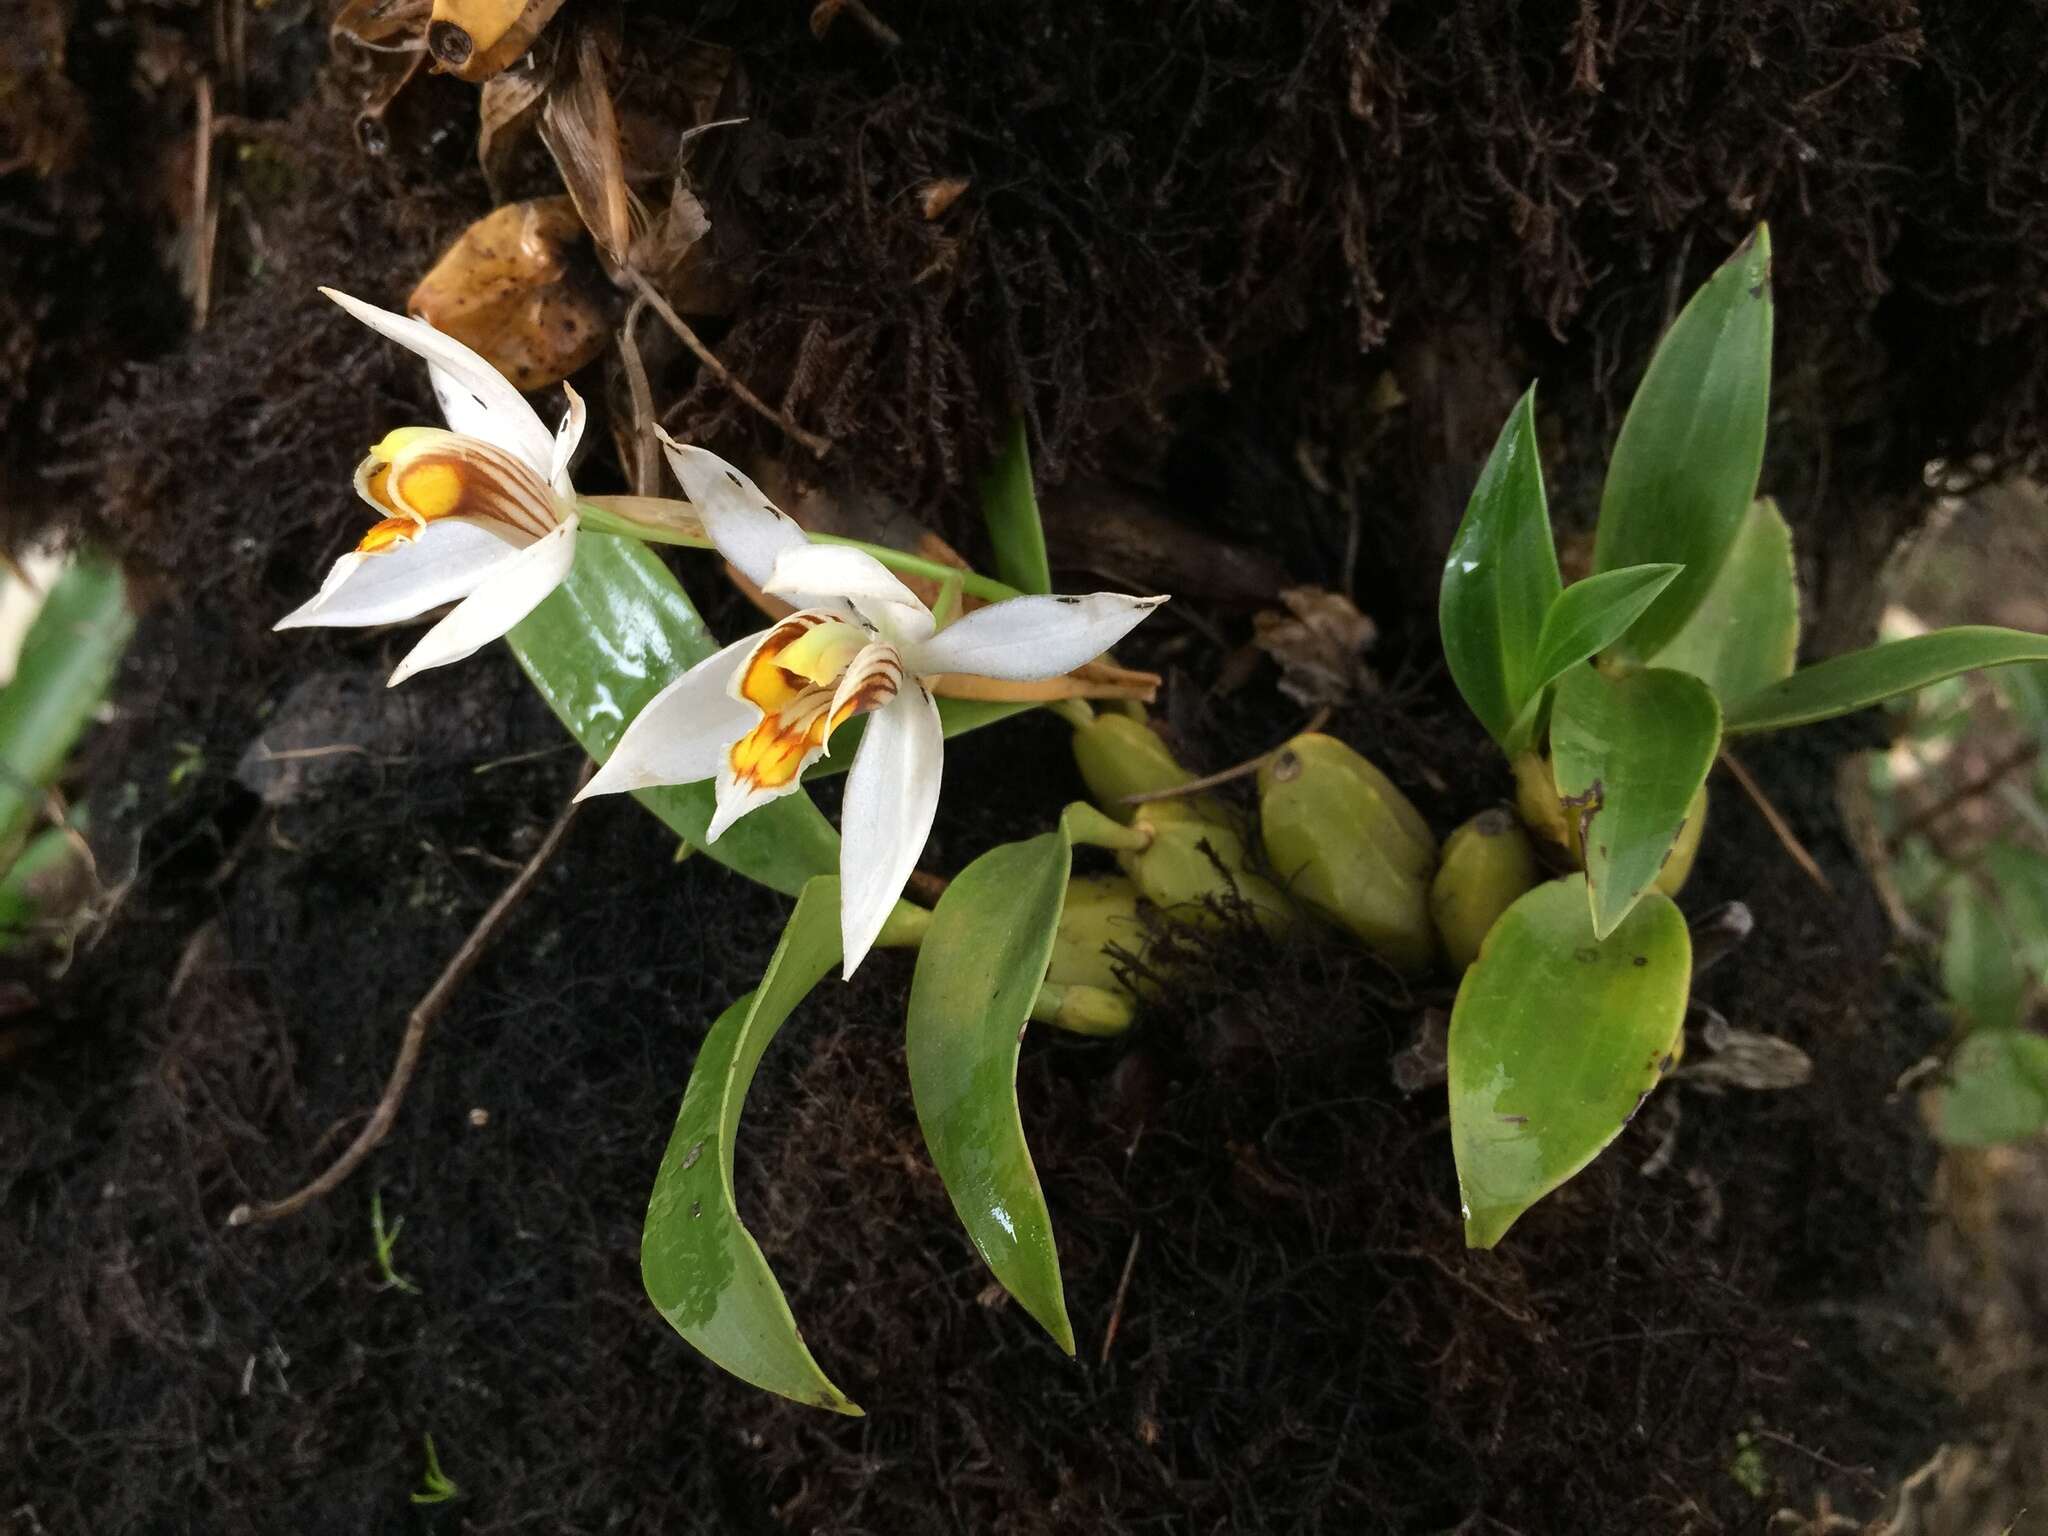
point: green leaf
(978, 974)
(1978, 969)
(1010, 506)
(1744, 636)
(2021, 877)
(702, 1267)
(1556, 1039)
(1500, 580)
(1630, 753)
(1587, 617)
(1685, 467)
(1842, 685)
(1997, 1089)
(611, 637)
(67, 659)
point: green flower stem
(951, 577)
(971, 582)
(1089, 827)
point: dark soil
(1163, 203)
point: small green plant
(59, 677)
(436, 1486)
(1988, 901)
(1611, 698)
(386, 1239)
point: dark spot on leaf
(1514, 1119)
(735, 479)
(696, 1209)
(1642, 960)
(1587, 954)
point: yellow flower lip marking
(823, 655)
(416, 475)
(792, 677)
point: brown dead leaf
(1320, 643)
(507, 109)
(937, 196)
(507, 288)
(581, 131)
(380, 39)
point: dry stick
(819, 446)
(1967, 791)
(429, 1008)
(206, 220)
(646, 470)
(1778, 825)
(1243, 770)
(1116, 1307)
(877, 27)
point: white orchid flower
(758, 713)
(481, 511)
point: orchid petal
(567, 436)
(477, 399)
(448, 560)
(871, 680)
(747, 527)
(683, 733)
(891, 796)
(811, 571)
(508, 595)
(1023, 639)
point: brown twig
(1777, 823)
(205, 216)
(819, 446)
(1116, 1307)
(429, 1008)
(646, 470)
(824, 12)
(1243, 770)
(1965, 792)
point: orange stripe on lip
(772, 754)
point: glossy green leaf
(1630, 753)
(1500, 579)
(2020, 876)
(1979, 970)
(611, 637)
(702, 1267)
(1744, 636)
(1556, 1039)
(1842, 685)
(978, 974)
(1587, 617)
(1685, 466)
(67, 659)
(1009, 504)
(1997, 1089)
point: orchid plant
(1612, 698)
(717, 740)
